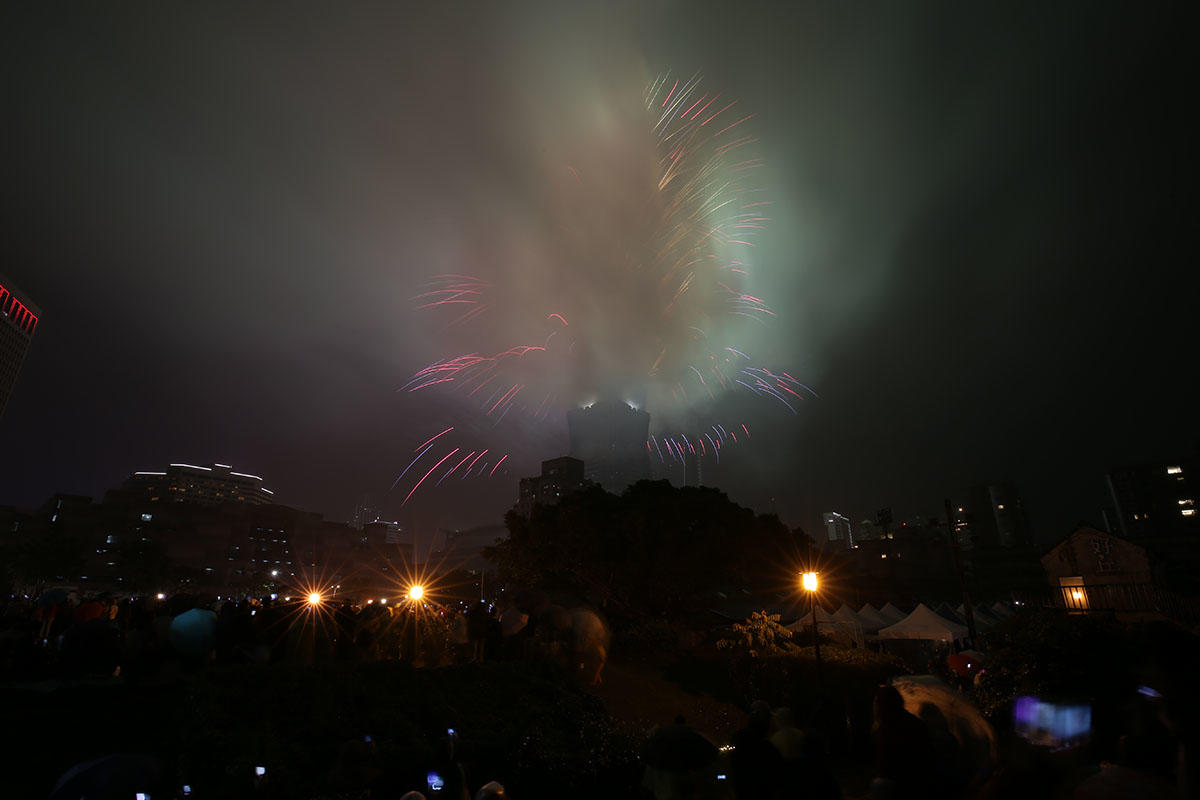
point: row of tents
(943, 624)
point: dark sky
(979, 248)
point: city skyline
(977, 235)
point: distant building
(212, 485)
(1157, 500)
(610, 438)
(364, 512)
(1091, 569)
(560, 477)
(991, 516)
(838, 534)
(18, 321)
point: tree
(654, 550)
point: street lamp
(809, 581)
(416, 591)
(314, 599)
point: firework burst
(650, 295)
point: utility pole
(962, 582)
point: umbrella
(52, 597)
(678, 748)
(939, 704)
(194, 633)
(119, 775)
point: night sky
(979, 253)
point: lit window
(1174, 471)
(884, 555)
(147, 517)
(1187, 502)
(1001, 506)
(1188, 512)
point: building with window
(838, 534)
(560, 477)
(211, 484)
(18, 322)
(1157, 500)
(991, 515)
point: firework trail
(650, 293)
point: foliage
(760, 635)
(654, 551)
(1049, 653)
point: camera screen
(1053, 725)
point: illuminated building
(991, 516)
(1157, 500)
(560, 477)
(610, 438)
(838, 534)
(210, 485)
(20, 319)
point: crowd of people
(60, 636)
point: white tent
(848, 616)
(925, 623)
(824, 620)
(983, 618)
(872, 620)
(891, 614)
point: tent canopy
(872, 620)
(891, 614)
(925, 623)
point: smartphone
(434, 781)
(1057, 725)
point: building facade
(838, 533)
(991, 515)
(1157, 500)
(560, 477)
(211, 484)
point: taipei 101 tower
(610, 438)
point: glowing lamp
(416, 592)
(314, 599)
(809, 581)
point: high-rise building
(560, 476)
(838, 534)
(610, 438)
(212, 485)
(18, 321)
(991, 516)
(1157, 500)
(365, 512)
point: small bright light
(161, 596)
(314, 598)
(1174, 470)
(274, 573)
(810, 581)
(1188, 512)
(416, 592)
(1076, 594)
(369, 602)
(383, 601)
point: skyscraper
(837, 531)
(20, 319)
(1156, 500)
(610, 438)
(991, 516)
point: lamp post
(415, 593)
(809, 581)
